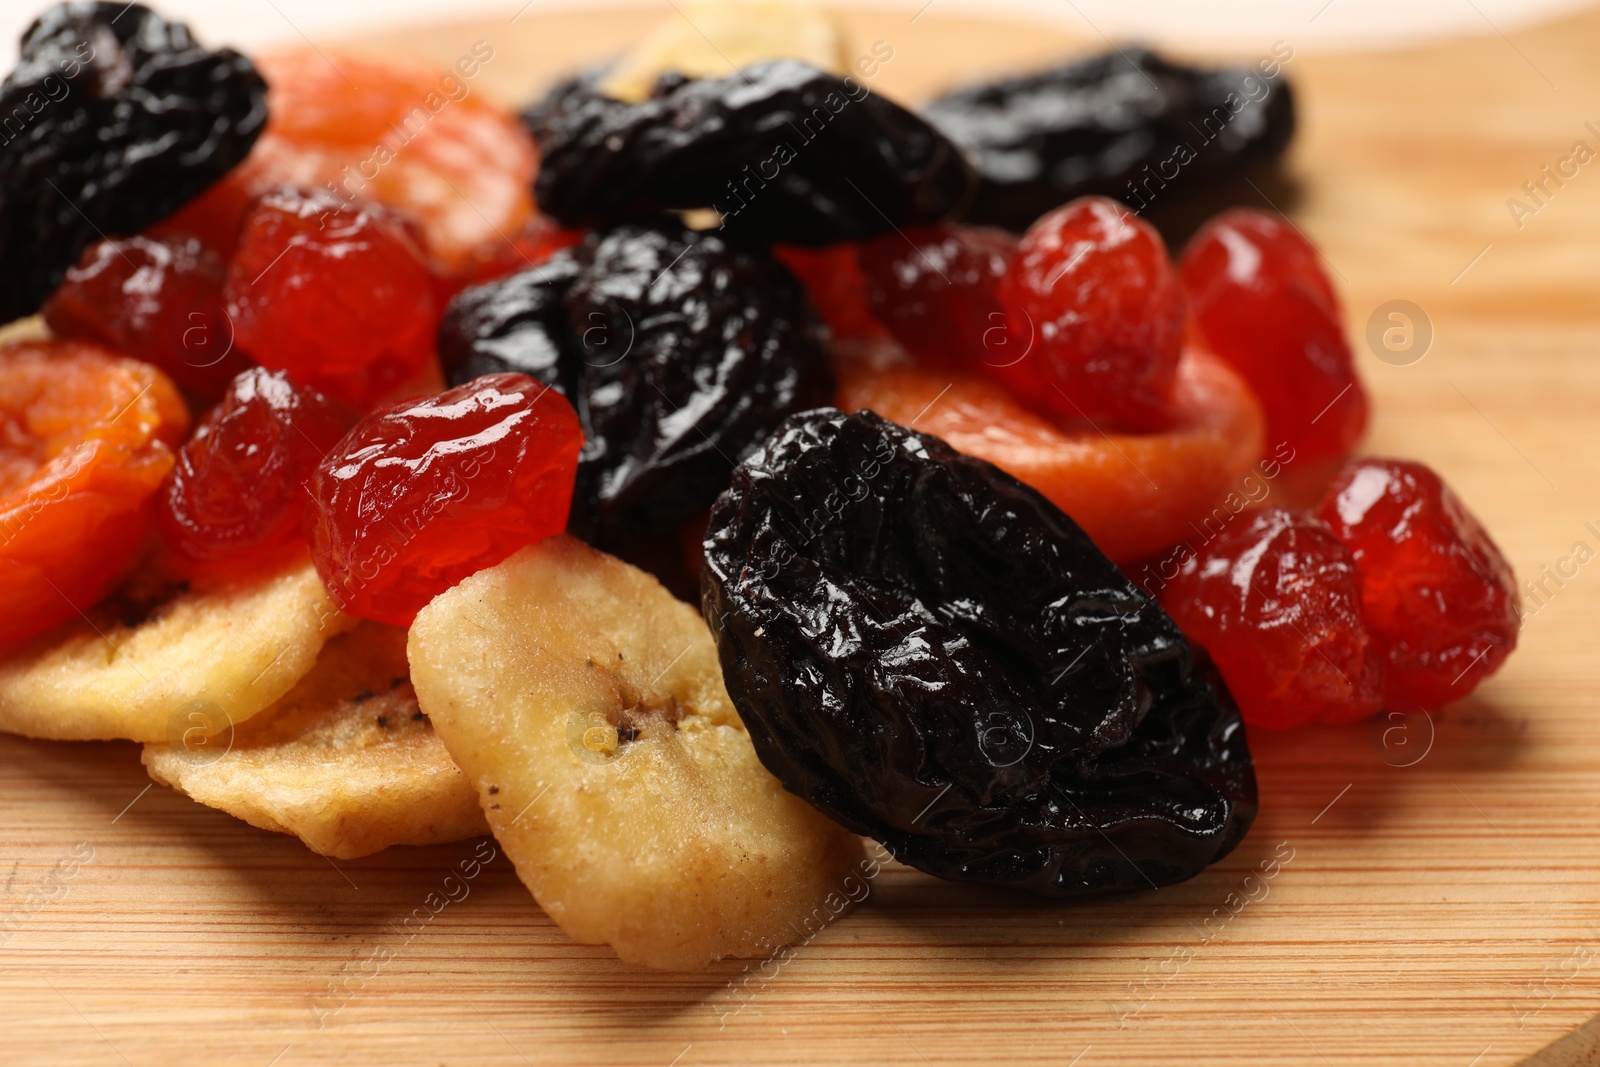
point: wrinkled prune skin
(932, 654)
(680, 351)
(113, 119)
(783, 151)
(1126, 124)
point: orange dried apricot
(421, 141)
(1134, 494)
(86, 437)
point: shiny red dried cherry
(335, 294)
(158, 299)
(1094, 294)
(235, 498)
(1439, 598)
(1275, 600)
(1261, 301)
(935, 288)
(423, 493)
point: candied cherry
(1134, 494)
(235, 499)
(88, 437)
(156, 299)
(935, 288)
(1094, 302)
(1440, 599)
(418, 140)
(336, 295)
(1275, 601)
(426, 492)
(834, 279)
(1261, 301)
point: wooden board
(1436, 895)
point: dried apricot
(539, 239)
(87, 438)
(394, 132)
(837, 284)
(1134, 494)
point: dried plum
(113, 119)
(931, 653)
(680, 351)
(782, 150)
(1126, 124)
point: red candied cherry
(1261, 301)
(156, 299)
(335, 294)
(1440, 599)
(1275, 600)
(1093, 298)
(935, 288)
(422, 494)
(235, 499)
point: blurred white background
(1316, 24)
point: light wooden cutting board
(1435, 898)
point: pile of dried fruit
(302, 453)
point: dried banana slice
(715, 38)
(201, 661)
(346, 761)
(587, 706)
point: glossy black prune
(783, 151)
(680, 352)
(1125, 124)
(932, 654)
(113, 119)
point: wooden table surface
(1418, 893)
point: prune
(423, 493)
(1261, 301)
(935, 289)
(337, 294)
(123, 119)
(1093, 294)
(1275, 601)
(934, 655)
(237, 493)
(1438, 595)
(514, 324)
(1126, 124)
(159, 300)
(783, 151)
(88, 437)
(681, 351)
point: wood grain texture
(1442, 913)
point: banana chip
(715, 38)
(586, 704)
(346, 761)
(199, 662)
